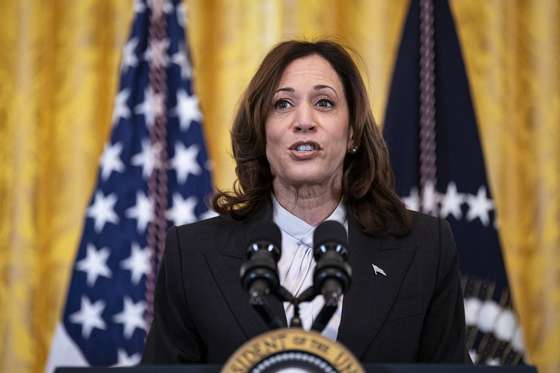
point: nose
(304, 127)
(304, 121)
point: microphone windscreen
(330, 231)
(265, 231)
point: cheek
(271, 159)
(342, 135)
(338, 155)
(273, 147)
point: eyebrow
(317, 87)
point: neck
(310, 203)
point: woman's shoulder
(426, 228)
(421, 221)
(209, 226)
(202, 237)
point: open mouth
(305, 147)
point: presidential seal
(292, 350)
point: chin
(306, 178)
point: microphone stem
(296, 319)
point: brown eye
(325, 103)
(282, 104)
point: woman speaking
(307, 149)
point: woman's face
(307, 129)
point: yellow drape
(58, 63)
(512, 54)
(58, 77)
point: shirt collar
(297, 227)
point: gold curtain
(58, 77)
(512, 55)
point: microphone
(259, 275)
(332, 276)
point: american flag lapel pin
(378, 270)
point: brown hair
(368, 181)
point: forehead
(313, 69)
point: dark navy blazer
(413, 314)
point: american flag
(106, 315)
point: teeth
(305, 148)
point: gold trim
(290, 339)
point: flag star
(94, 264)
(412, 201)
(111, 161)
(181, 14)
(138, 263)
(102, 210)
(151, 107)
(186, 109)
(132, 316)
(182, 211)
(129, 58)
(167, 7)
(180, 59)
(125, 360)
(89, 316)
(121, 107)
(430, 199)
(148, 158)
(451, 202)
(156, 54)
(142, 211)
(184, 161)
(479, 206)
(139, 6)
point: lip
(301, 156)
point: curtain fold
(58, 75)
(512, 55)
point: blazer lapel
(225, 268)
(368, 302)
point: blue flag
(459, 189)
(105, 316)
